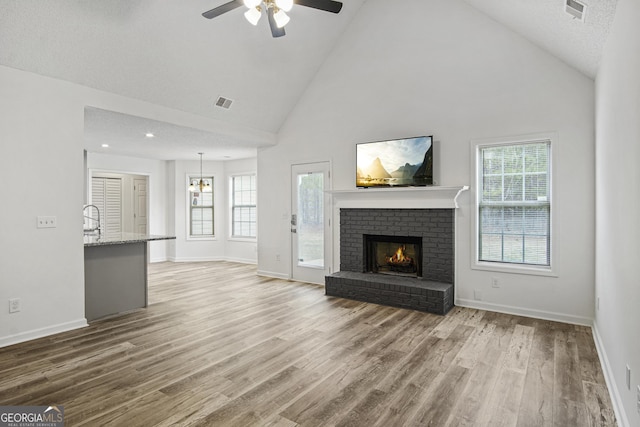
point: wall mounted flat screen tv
(395, 163)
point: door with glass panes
(310, 222)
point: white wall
(40, 174)
(618, 205)
(41, 141)
(443, 68)
(155, 170)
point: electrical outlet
(14, 305)
(277, 257)
(477, 294)
(628, 377)
(495, 283)
(47, 222)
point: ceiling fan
(275, 9)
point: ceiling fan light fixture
(253, 15)
(275, 10)
(285, 5)
(252, 3)
(281, 18)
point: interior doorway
(140, 204)
(122, 200)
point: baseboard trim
(273, 274)
(42, 332)
(616, 400)
(197, 259)
(520, 311)
(210, 259)
(242, 260)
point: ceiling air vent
(575, 9)
(223, 102)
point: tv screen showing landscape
(397, 162)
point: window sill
(514, 269)
(241, 239)
(203, 238)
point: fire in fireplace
(397, 255)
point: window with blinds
(201, 213)
(243, 206)
(514, 203)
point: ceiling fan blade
(326, 5)
(275, 31)
(210, 14)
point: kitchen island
(115, 273)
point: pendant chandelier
(203, 185)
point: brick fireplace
(425, 235)
(433, 226)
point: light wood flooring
(221, 346)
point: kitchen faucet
(97, 228)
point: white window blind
(201, 213)
(514, 209)
(243, 210)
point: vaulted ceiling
(166, 53)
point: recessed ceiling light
(105, 145)
(149, 135)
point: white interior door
(140, 205)
(310, 222)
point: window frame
(476, 146)
(232, 206)
(189, 177)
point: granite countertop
(121, 238)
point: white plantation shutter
(106, 194)
(514, 204)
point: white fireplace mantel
(433, 197)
